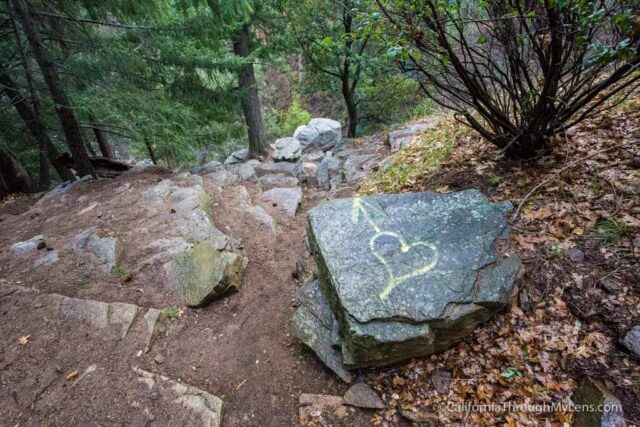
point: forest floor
(566, 323)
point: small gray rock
(632, 341)
(329, 174)
(22, 248)
(285, 199)
(222, 177)
(106, 249)
(277, 180)
(203, 273)
(261, 216)
(287, 150)
(576, 255)
(237, 157)
(185, 404)
(611, 285)
(286, 168)
(313, 156)
(361, 395)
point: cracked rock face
(410, 274)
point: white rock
(320, 134)
(22, 248)
(287, 150)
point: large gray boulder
(287, 150)
(320, 134)
(411, 274)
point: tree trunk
(67, 117)
(89, 147)
(151, 153)
(101, 137)
(13, 175)
(527, 146)
(44, 176)
(34, 124)
(250, 100)
(352, 109)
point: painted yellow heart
(405, 247)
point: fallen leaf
(24, 340)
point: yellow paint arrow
(361, 208)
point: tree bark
(250, 101)
(70, 126)
(13, 176)
(352, 109)
(101, 137)
(44, 176)
(348, 86)
(152, 155)
(34, 124)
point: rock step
(186, 405)
(116, 320)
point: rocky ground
(94, 295)
(101, 322)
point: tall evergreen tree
(64, 110)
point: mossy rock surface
(203, 273)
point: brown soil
(239, 348)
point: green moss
(435, 146)
(203, 274)
(612, 230)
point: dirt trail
(239, 348)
